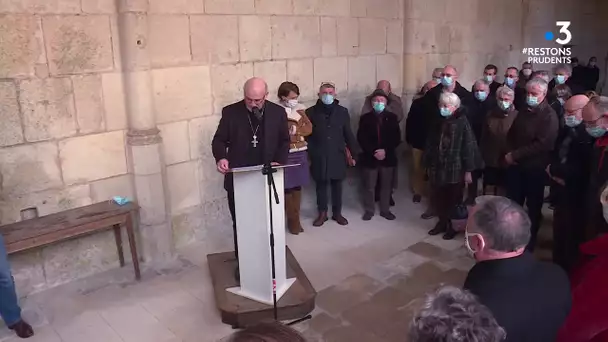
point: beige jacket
(299, 128)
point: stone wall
(97, 101)
(70, 91)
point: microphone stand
(268, 170)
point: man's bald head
(429, 85)
(255, 92)
(385, 86)
(575, 104)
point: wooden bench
(65, 225)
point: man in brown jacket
(531, 140)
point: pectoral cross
(255, 141)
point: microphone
(258, 114)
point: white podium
(252, 208)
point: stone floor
(368, 276)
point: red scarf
(601, 143)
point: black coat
(598, 178)
(530, 299)
(416, 125)
(431, 103)
(591, 75)
(571, 161)
(576, 86)
(520, 99)
(378, 131)
(331, 134)
(477, 112)
(232, 139)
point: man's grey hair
(544, 86)
(504, 90)
(449, 99)
(481, 82)
(563, 67)
(504, 224)
(600, 103)
(543, 74)
(451, 314)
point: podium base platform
(240, 312)
(268, 301)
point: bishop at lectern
(251, 132)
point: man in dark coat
(530, 141)
(595, 116)
(416, 129)
(590, 75)
(563, 75)
(569, 169)
(330, 146)
(476, 114)
(378, 136)
(489, 75)
(512, 81)
(251, 132)
(530, 299)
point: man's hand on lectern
(222, 166)
(275, 164)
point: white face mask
(292, 103)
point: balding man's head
(595, 116)
(498, 228)
(573, 110)
(255, 92)
(385, 86)
(428, 86)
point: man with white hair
(251, 132)
(531, 141)
(450, 156)
(436, 75)
(530, 299)
(563, 75)
(595, 117)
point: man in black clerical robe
(251, 132)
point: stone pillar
(143, 138)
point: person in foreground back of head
(451, 314)
(530, 299)
(588, 320)
(267, 332)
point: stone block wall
(65, 113)
(71, 90)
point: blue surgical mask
(596, 131)
(561, 101)
(445, 112)
(572, 121)
(510, 82)
(437, 79)
(560, 79)
(481, 95)
(446, 81)
(327, 99)
(504, 105)
(379, 106)
(488, 78)
(532, 101)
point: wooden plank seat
(69, 224)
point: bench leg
(118, 236)
(131, 235)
